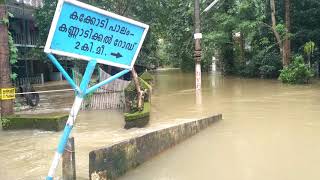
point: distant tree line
(253, 38)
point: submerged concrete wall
(111, 162)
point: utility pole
(197, 46)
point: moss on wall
(49, 122)
(139, 118)
(147, 77)
(145, 84)
(139, 114)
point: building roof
(23, 9)
(27, 3)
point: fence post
(60, 76)
(68, 161)
(99, 71)
(42, 79)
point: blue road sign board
(82, 31)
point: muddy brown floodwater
(269, 131)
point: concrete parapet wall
(111, 162)
(48, 122)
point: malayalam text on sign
(86, 32)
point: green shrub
(296, 73)
(270, 65)
(250, 69)
(268, 71)
(262, 65)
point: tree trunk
(242, 48)
(287, 42)
(5, 81)
(138, 88)
(275, 32)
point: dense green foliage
(242, 39)
(296, 73)
(238, 33)
(13, 50)
(44, 18)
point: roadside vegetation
(251, 38)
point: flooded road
(269, 131)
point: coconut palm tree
(309, 48)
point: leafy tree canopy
(238, 32)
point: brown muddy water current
(269, 131)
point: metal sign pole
(63, 140)
(81, 31)
(72, 117)
(81, 93)
(64, 72)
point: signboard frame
(4, 95)
(52, 47)
(54, 24)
